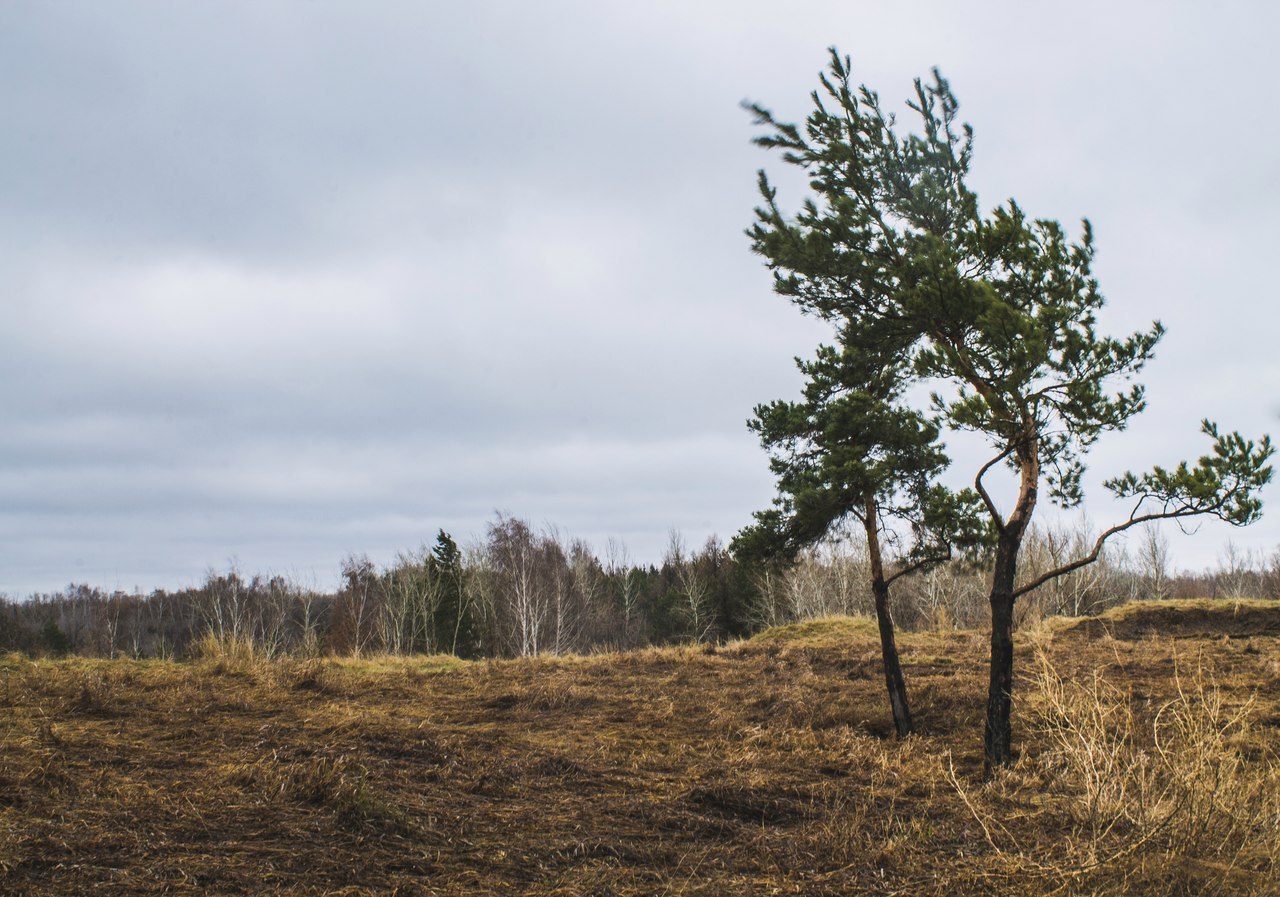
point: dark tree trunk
(893, 680)
(998, 739)
(894, 683)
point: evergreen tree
(999, 311)
(53, 641)
(452, 625)
(852, 449)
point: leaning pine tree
(999, 311)
(852, 451)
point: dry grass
(1198, 618)
(763, 767)
(826, 632)
(1174, 791)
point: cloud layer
(286, 281)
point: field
(1149, 766)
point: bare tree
(361, 615)
(619, 570)
(1235, 577)
(1271, 576)
(694, 589)
(522, 599)
(1153, 561)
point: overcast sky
(283, 281)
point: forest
(522, 590)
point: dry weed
(1176, 799)
(339, 785)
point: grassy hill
(1149, 766)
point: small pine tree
(452, 624)
(52, 640)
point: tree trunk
(998, 739)
(896, 685)
(893, 680)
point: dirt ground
(760, 768)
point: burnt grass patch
(758, 768)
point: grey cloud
(282, 281)
(225, 128)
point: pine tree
(998, 311)
(852, 450)
(451, 624)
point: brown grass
(1148, 767)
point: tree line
(520, 590)
(516, 591)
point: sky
(283, 282)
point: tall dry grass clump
(235, 651)
(1181, 795)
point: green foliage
(453, 626)
(892, 246)
(1224, 484)
(999, 311)
(832, 449)
(852, 448)
(9, 630)
(52, 640)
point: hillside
(758, 768)
(1203, 619)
